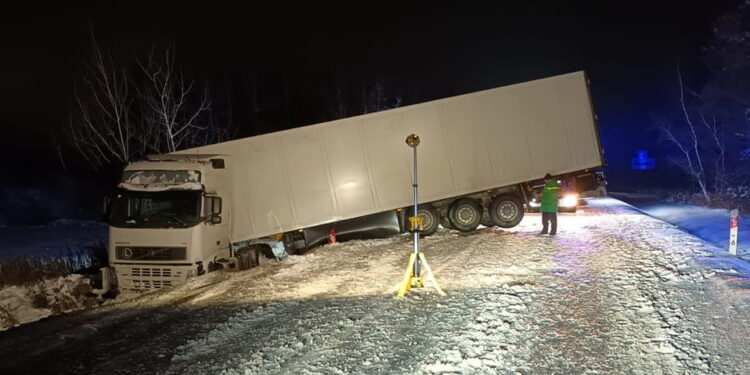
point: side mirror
(212, 209)
(215, 219)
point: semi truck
(235, 204)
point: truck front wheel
(506, 211)
(465, 214)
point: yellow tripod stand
(412, 281)
(412, 277)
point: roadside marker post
(417, 264)
(734, 223)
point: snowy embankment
(709, 224)
(29, 303)
(28, 292)
(615, 292)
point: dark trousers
(549, 217)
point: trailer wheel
(430, 218)
(506, 210)
(465, 214)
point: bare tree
(377, 99)
(726, 94)
(167, 96)
(256, 104)
(120, 115)
(687, 141)
(712, 136)
(338, 106)
(102, 127)
(715, 132)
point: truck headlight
(570, 200)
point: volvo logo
(127, 253)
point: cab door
(215, 238)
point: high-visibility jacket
(549, 196)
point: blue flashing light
(642, 162)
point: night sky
(427, 50)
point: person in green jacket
(549, 204)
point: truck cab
(169, 221)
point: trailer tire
(506, 210)
(465, 214)
(430, 219)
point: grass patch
(30, 270)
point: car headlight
(570, 200)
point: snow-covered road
(615, 292)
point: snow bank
(710, 224)
(28, 303)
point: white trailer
(276, 193)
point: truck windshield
(163, 209)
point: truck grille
(150, 284)
(150, 272)
(140, 278)
(150, 253)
